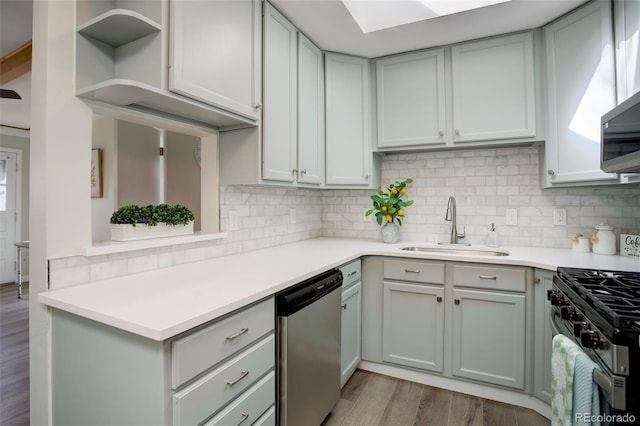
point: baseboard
(475, 389)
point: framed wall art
(96, 173)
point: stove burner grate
(614, 295)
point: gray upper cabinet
(280, 97)
(215, 53)
(579, 53)
(349, 155)
(470, 94)
(310, 113)
(411, 99)
(122, 58)
(493, 89)
(627, 28)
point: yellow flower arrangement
(390, 205)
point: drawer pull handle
(244, 416)
(350, 274)
(456, 301)
(439, 299)
(243, 374)
(238, 334)
(488, 277)
(413, 271)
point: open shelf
(118, 27)
(109, 247)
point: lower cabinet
(410, 304)
(220, 373)
(457, 319)
(489, 337)
(351, 337)
(542, 335)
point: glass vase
(390, 232)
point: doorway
(10, 190)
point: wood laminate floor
(14, 356)
(370, 399)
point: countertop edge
(236, 292)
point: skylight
(375, 15)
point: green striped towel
(563, 355)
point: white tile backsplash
(485, 183)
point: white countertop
(163, 303)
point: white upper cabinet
(580, 89)
(411, 99)
(494, 89)
(280, 98)
(310, 112)
(348, 120)
(627, 36)
(215, 53)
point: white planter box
(142, 231)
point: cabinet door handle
(238, 334)
(551, 172)
(259, 106)
(304, 171)
(243, 374)
(243, 417)
(538, 280)
(457, 132)
(294, 171)
(412, 271)
(441, 133)
(488, 277)
(439, 299)
(344, 306)
(456, 301)
(352, 273)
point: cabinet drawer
(250, 405)
(208, 394)
(197, 352)
(351, 273)
(267, 419)
(407, 270)
(489, 277)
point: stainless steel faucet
(450, 216)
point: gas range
(600, 311)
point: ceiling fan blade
(9, 94)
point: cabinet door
(489, 337)
(542, 336)
(413, 325)
(627, 28)
(351, 331)
(215, 53)
(493, 89)
(580, 89)
(411, 99)
(280, 97)
(348, 121)
(310, 112)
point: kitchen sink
(458, 249)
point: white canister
(580, 243)
(603, 239)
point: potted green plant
(389, 208)
(133, 222)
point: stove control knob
(590, 339)
(567, 312)
(579, 327)
(556, 298)
(577, 316)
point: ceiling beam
(15, 63)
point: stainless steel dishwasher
(309, 331)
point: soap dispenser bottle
(493, 238)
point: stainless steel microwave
(620, 147)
